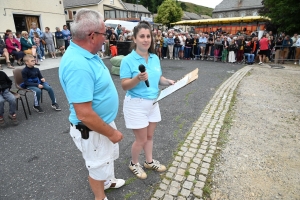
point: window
(106, 14)
(230, 14)
(243, 14)
(118, 14)
(66, 12)
(112, 14)
(74, 13)
(112, 2)
(254, 13)
(220, 15)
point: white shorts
(98, 152)
(139, 112)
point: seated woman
(4, 53)
(28, 46)
(113, 45)
(14, 47)
(121, 38)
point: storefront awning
(228, 20)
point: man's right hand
(116, 137)
(40, 86)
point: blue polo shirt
(85, 78)
(130, 68)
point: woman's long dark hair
(137, 28)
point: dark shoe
(2, 122)
(13, 119)
(38, 109)
(38, 64)
(19, 63)
(55, 107)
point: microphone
(142, 69)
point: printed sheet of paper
(188, 78)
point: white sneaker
(114, 184)
(44, 58)
(138, 170)
(41, 60)
(260, 63)
(295, 63)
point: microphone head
(142, 68)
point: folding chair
(18, 80)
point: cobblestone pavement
(187, 174)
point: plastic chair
(19, 98)
(18, 80)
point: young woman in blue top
(140, 114)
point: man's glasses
(104, 34)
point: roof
(227, 5)
(190, 16)
(139, 8)
(79, 3)
(205, 17)
(75, 3)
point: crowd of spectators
(218, 46)
(15, 47)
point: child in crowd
(218, 44)
(182, 39)
(195, 52)
(208, 48)
(225, 49)
(37, 41)
(188, 47)
(34, 81)
(18, 36)
(177, 46)
(158, 44)
(113, 45)
(165, 46)
(170, 42)
(232, 49)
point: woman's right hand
(143, 76)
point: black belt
(84, 130)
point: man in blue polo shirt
(93, 101)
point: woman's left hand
(171, 82)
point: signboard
(188, 78)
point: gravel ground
(261, 159)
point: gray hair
(85, 22)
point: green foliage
(283, 13)
(183, 6)
(200, 10)
(168, 12)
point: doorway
(23, 22)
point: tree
(183, 6)
(168, 12)
(283, 13)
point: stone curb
(187, 175)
